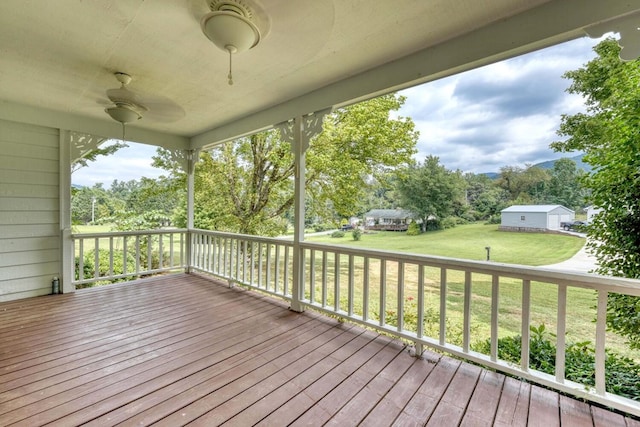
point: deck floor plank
(185, 348)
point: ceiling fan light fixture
(123, 114)
(230, 31)
(230, 28)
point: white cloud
(501, 114)
(133, 162)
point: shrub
(621, 373)
(356, 234)
(448, 222)
(322, 227)
(413, 230)
(103, 266)
(337, 234)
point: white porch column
(299, 134)
(72, 147)
(67, 251)
(191, 158)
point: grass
(469, 242)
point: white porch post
(67, 251)
(191, 157)
(299, 150)
(299, 135)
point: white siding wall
(29, 209)
(536, 220)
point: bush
(622, 374)
(337, 234)
(413, 230)
(356, 234)
(448, 222)
(103, 267)
(322, 227)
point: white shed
(535, 217)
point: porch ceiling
(57, 58)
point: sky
(503, 114)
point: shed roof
(534, 208)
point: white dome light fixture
(123, 113)
(229, 26)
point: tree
(246, 186)
(565, 188)
(92, 155)
(429, 190)
(484, 196)
(525, 185)
(609, 135)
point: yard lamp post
(93, 210)
(488, 249)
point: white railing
(432, 301)
(445, 304)
(258, 262)
(107, 257)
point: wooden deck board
(181, 349)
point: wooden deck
(183, 349)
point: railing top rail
(127, 233)
(279, 241)
(538, 274)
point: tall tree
(525, 185)
(430, 190)
(484, 196)
(565, 187)
(246, 186)
(609, 135)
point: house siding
(29, 209)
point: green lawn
(469, 242)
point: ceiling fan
(127, 106)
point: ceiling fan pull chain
(230, 77)
(123, 132)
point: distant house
(388, 219)
(534, 217)
(591, 212)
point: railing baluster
(336, 281)
(124, 255)
(351, 290)
(238, 259)
(601, 330)
(400, 296)
(276, 268)
(137, 254)
(171, 249)
(420, 325)
(149, 248)
(110, 256)
(160, 260)
(526, 324)
(325, 265)
(383, 292)
(270, 266)
(443, 306)
(560, 333)
(96, 255)
(312, 276)
(365, 289)
(81, 259)
(285, 283)
(260, 283)
(495, 305)
(466, 328)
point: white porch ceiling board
(546, 25)
(59, 56)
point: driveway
(581, 262)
